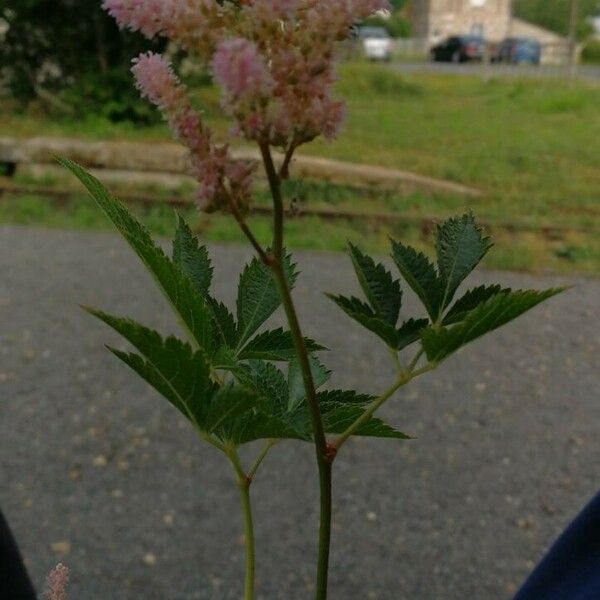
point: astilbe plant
(274, 61)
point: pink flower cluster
(242, 73)
(221, 178)
(197, 25)
(241, 70)
(274, 60)
(56, 583)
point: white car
(376, 43)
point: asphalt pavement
(99, 473)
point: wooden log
(172, 158)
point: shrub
(71, 59)
(591, 52)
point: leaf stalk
(259, 459)
(401, 380)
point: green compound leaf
(231, 414)
(224, 359)
(277, 345)
(340, 409)
(176, 286)
(496, 311)
(409, 332)
(261, 426)
(338, 416)
(192, 258)
(258, 296)
(420, 274)
(227, 407)
(267, 380)
(382, 291)
(238, 415)
(362, 313)
(460, 246)
(472, 299)
(296, 390)
(171, 366)
(349, 397)
(270, 384)
(224, 326)
(397, 339)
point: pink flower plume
(216, 172)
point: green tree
(396, 25)
(70, 55)
(554, 14)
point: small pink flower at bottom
(56, 583)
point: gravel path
(99, 473)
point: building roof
(521, 28)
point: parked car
(519, 51)
(459, 48)
(376, 43)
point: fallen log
(170, 158)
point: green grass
(531, 146)
(526, 251)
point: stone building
(434, 20)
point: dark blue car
(519, 51)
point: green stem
(263, 454)
(400, 381)
(325, 486)
(247, 232)
(244, 488)
(323, 454)
(278, 211)
(415, 360)
(396, 359)
(374, 406)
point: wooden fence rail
(171, 159)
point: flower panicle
(221, 179)
(274, 62)
(194, 24)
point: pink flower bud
(56, 583)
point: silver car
(376, 43)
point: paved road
(589, 72)
(97, 472)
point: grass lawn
(532, 147)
